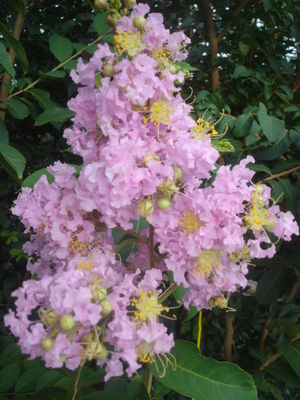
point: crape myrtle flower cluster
(143, 156)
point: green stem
(148, 379)
(168, 292)
(32, 84)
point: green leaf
(273, 152)
(204, 378)
(273, 284)
(100, 23)
(242, 125)
(241, 71)
(60, 47)
(32, 179)
(52, 393)
(114, 387)
(16, 45)
(12, 160)
(52, 74)
(27, 380)
(294, 135)
(4, 137)
(244, 48)
(8, 376)
(47, 379)
(43, 98)
(260, 168)
(57, 114)
(282, 370)
(5, 61)
(273, 128)
(17, 108)
(291, 353)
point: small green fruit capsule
(67, 322)
(106, 307)
(145, 207)
(178, 174)
(100, 294)
(163, 204)
(47, 344)
(101, 5)
(173, 69)
(108, 70)
(130, 3)
(139, 22)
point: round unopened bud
(99, 294)
(269, 224)
(112, 21)
(130, 3)
(47, 344)
(67, 322)
(106, 307)
(139, 22)
(178, 174)
(173, 69)
(48, 317)
(108, 70)
(101, 5)
(163, 204)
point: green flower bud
(187, 73)
(101, 5)
(48, 317)
(106, 307)
(101, 352)
(99, 294)
(163, 204)
(112, 21)
(47, 344)
(95, 350)
(130, 3)
(67, 322)
(139, 22)
(108, 70)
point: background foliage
(246, 60)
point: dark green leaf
(57, 114)
(16, 45)
(241, 72)
(273, 128)
(17, 108)
(8, 376)
(260, 168)
(282, 370)
(242, 125)
(17, 5)
(100, 23)
(273, 152)
(273, 284)
(60, 47)
(244, 48)
(53, 74)
(27, 380)
(52, 393)
(291, 353)
(3, 132)
(12, 160)
(43, 98)
(205, 378)
(5, 61)
(47, 380)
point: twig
(293, 290)
(31, 85)
(277, 176)
(77, 381)
(140, 238)
(12, 55)
(213, 46)
(171, 289)
(229, 22)
(151, 247)
(277, 355)
(228, 337)
(264, 334)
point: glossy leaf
(57, 114)
(100, 23)
(47, 379)
(8, 376)
(12, 160)
(60, 47)
(204, 378)
(43, 98)
(16, 45)
(27, 380)
(3, 132)
(5, 61)
(17, 108)
(32, 179)
(273, 128)
(291, 353)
